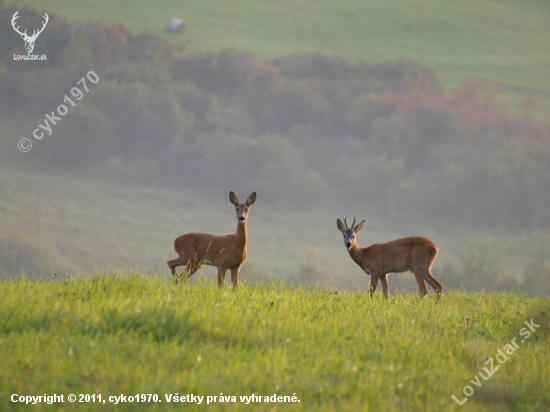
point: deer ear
(340, 225)
(251, 199)
(359, 227)
(233, 198)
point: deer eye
(247, 210)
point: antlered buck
(415, 254)
(223, 251)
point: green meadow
(76, 224)
(114, 333)
(302, 323)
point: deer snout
(241, 219)
(348, 244)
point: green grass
(503, 42)
(94, 224)
(113, 334)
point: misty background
(152, 150)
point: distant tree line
(385, 137)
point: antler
(354, 218)
(346, 223)
(35, 33)
(15, 16)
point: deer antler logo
(29, 40)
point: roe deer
(415, 254)
(223, 251)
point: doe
(223, 251)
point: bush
(302, 124)
(84, 133)
(268, 163)
(144, 119)
(223, 74)
(39, 91)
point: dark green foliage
(222, 74)
(303, 127)
(86, 134)
(143, 119)
(39, 91)
(146, 47)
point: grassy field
(123, 331)
(114, 333)
(501, 42)
(94, 224)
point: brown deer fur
(415, 254)
(223, 251)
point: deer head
(242, 208)
(349, 232)
(29, 40)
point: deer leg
(422, 288)
(191, 268)
(373, 283)
(174, 263)
(385, 286)
(221, 276)
(234, 276)
(434, 283)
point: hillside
(77, 224)
(314, 135)
(425, 118)
(94, 224)
(502, 43)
